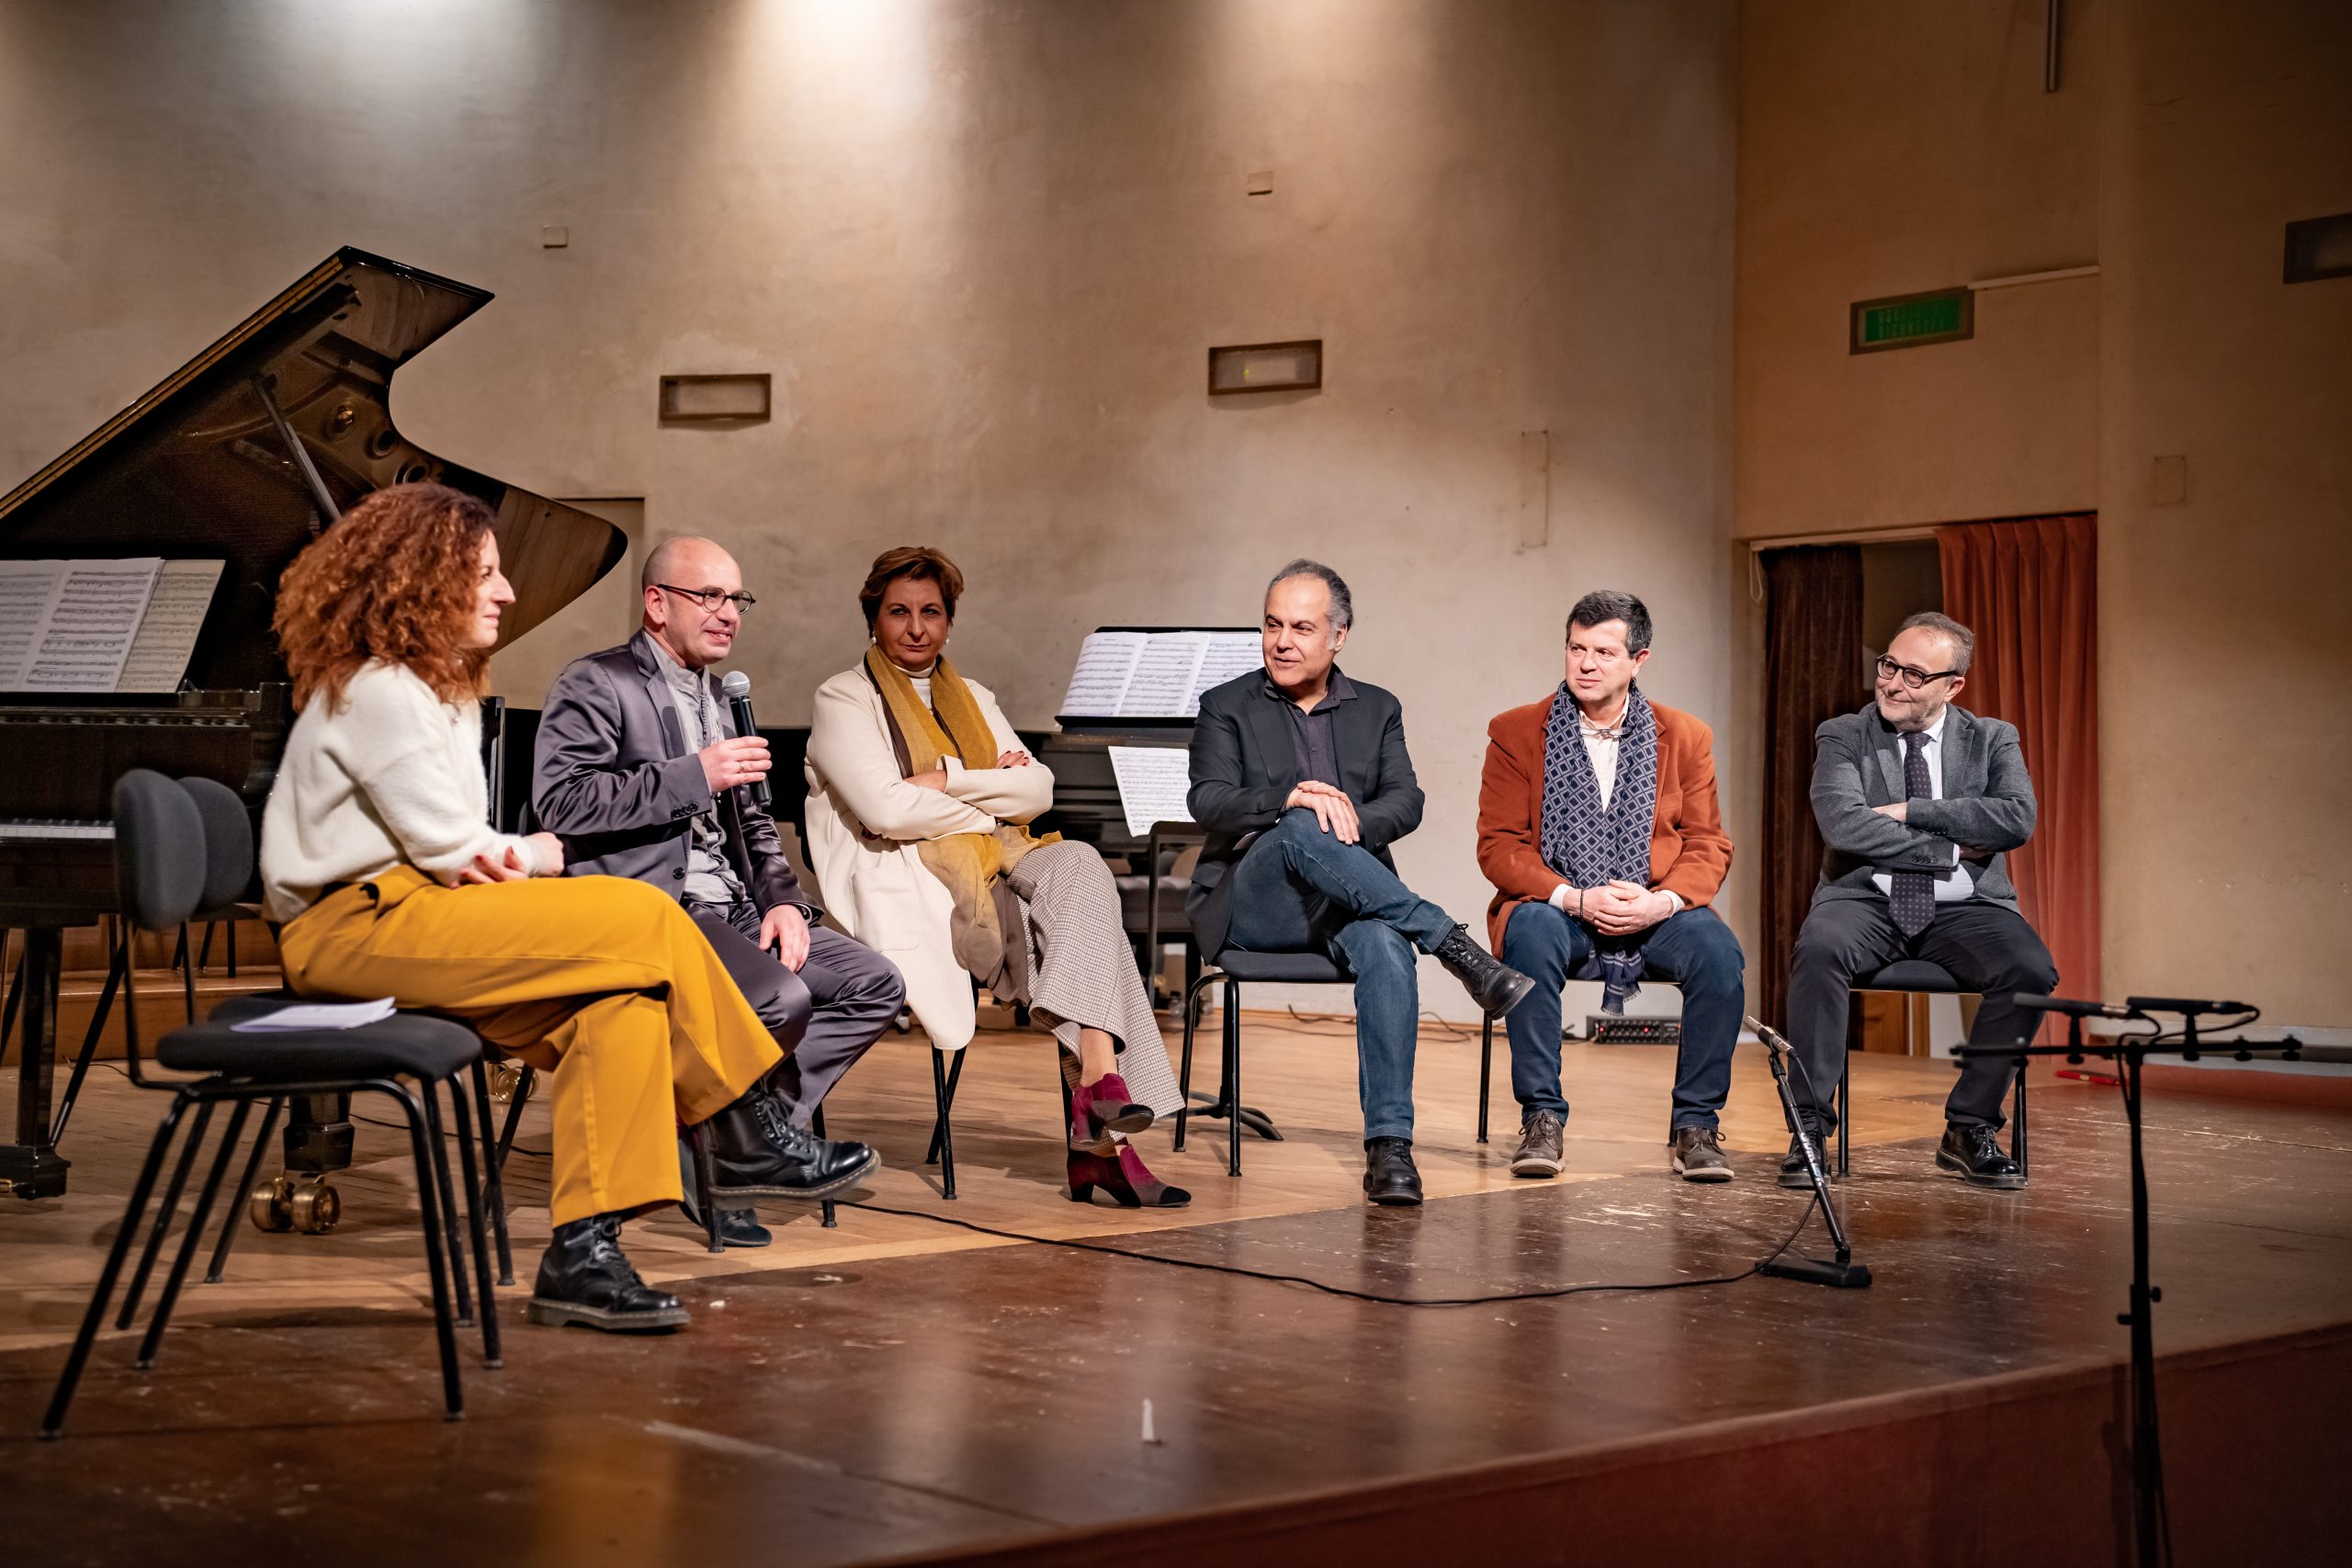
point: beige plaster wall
(1888, 149)
(982, 249)
(2223, 723)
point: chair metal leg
(460, 1288)
(1231, 1093)
(54, 1420)
(2017, 1144)
(826, 1219)
(706, 1184)
(164, 1216)
(116, 966)
(1184, 1072)
(228, 1226)
(943, 1089)
(1485, 1070)
(204, 952)
(462, 1118)
(445, 1331)
(493, 1183)
(954, 1076)
(230, 1139)
(1844, 1104)
(230, 938)
(524, 1083)
(16, 993)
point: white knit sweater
(391, 774)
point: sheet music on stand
(101, 626)
(1153, 782)
(1156, 672)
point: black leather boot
(736, 1227)
(584, 1278)
(760, 1152)
(1974, 1151)
(1793, 1174)
(1495, 986)
(1389, 1178)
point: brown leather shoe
(1538, 1158)
(1697, 1154)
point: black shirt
(1310, 732)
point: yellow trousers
(601, 982)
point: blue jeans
(1298, 889)
(1693, 949)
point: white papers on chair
(319, 1015)
(1154, 674)
(1153, 782)
(101, 626)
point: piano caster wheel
(271, 1204)
(505, 1078)
(315, 1206)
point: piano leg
(317, 1141)
(30, 1168)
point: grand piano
(244, 456)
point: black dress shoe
(1389, 1179)
(1495, 986)
(1793, 1171)
(759, 1152)
(584, 1278)
(1974, 1151)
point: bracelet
(1581, 894)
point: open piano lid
(201, 468)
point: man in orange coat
(1598, 828)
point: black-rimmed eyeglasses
(710, 599)
(1913, 678)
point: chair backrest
(160, 863)
(228, 842)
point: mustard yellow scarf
(967, 865)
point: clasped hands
(506, 865)
(1620, 908)
(1900, 811)
(1332, 810)
(937, 778)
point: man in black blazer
(1302, 779)
(1918, 800)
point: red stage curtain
(2029, 588)
(1812, 672)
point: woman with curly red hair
(377, 854)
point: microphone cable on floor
(1376, 1297)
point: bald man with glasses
(641, 772)
(1918, 800)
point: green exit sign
(1910, 321)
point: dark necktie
(1912, 894)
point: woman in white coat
(919, 800)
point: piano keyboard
(51, 829)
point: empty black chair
(173, 856)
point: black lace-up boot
(585, 1278)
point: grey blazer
(1987, 804)
(613, 779)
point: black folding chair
(1230, 968)
(179, 847)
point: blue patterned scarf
(1590, 846)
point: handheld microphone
(738, 689)
(2035, 1001)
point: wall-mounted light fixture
(709, 399)
(1267, 367)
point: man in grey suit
(1917, 801)
(641, 772)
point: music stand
(2150, 1523)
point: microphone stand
(1841, 1271)
(2152, 1524)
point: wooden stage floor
(902, 1388)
